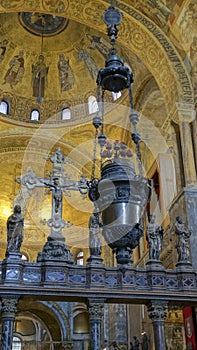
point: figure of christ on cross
(56, 195)
(58, 184)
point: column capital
(157, 310)
(186, 112)
(96, 309)
(9, 304)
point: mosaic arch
(137, 33)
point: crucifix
(57, 183)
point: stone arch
(62, 318)
(155, 50)
(58, 326)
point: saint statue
(15, 225)
(154, 236)
(94, 236)
(182, 239)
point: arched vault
(137, 33)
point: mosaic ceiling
(42, 24)
(68, 41)
(70, 44)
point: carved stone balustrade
(63, 281)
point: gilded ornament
(58, 6)
(11, 3)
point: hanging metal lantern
(121, 199)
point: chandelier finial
(112, 18)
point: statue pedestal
(184, 265)
(94, 260)
(154, 265)
(55, 251)
(13, 256)
(12, 267)
(155, 274)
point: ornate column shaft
(96, 313)
(156, 312)
(186, 114)
(8, 311)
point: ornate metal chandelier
(122, 192)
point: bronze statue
(15, 225)
(154, 236)
(182, 239)
(57, 193)
(94, 236)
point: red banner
(189, 328)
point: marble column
(96, 313)
(8, 311)
(117, 324)
(178, 166)
(186, 115)
(157, 313)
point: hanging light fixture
(122, 192)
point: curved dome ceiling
(42, 24)
(68, 53)
(22, 51)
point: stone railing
(60, 280)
